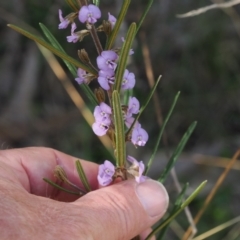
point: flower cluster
(107, 63)
(102, 122)
(107, 172)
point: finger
(145, 233)
(28, 167)
(126, 208)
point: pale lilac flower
(112, 20)
(102, 112)
(74, 36)
(105, 173)
(64, 22)
(128, 80)
(139, 136)
(136, 169)
(133, 106)
(105, 78)
(107, 60)
(81, 76)
(129, 121)
(100, 128)
(89, 14)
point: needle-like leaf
(82, 176)
(119, 130)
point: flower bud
(100, 95)
(107, 27)
(60, 174)
(83, 56)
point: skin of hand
(120, 211)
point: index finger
(28, 167)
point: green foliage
(124, 56)
(119, 131)
(82, 176)
(177, 152)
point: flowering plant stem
(95, 38)
(119, 121)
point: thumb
(123, 210)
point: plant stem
(95, 38)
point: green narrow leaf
(117, 26)
(144, 15)
(124, 57)
(70, 66)
(176, 206)
(127, 94)
(172, 216)
(161, 133)
(82, 176)
(144, 106)
(119, 130)
(57, 52)
(61, 188)
(177, 152)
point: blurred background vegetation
(199, 56)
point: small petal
(128, 80)
(89, 14)
(102, 112)
(105, 78)
(81, 76)
(101, 128)
(112, 20)
(74, 37)
(105, 173)
(136, 169)
(107, 60)
(103, 82)
(139, 136)
(64, 22)
(133, 106)
(129, 121)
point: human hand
(120, 211)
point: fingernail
(153, 197)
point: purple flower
(105, 78)
(133, 106)
(81, 76)
(100, 128)
(136, 169)
(63, 21)
(105, 173)
(139, 136)
(129, 121)
(89, 14)
(112, 20)
(106, 61)
(74, 36)
(128, 80)
(102, 112)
